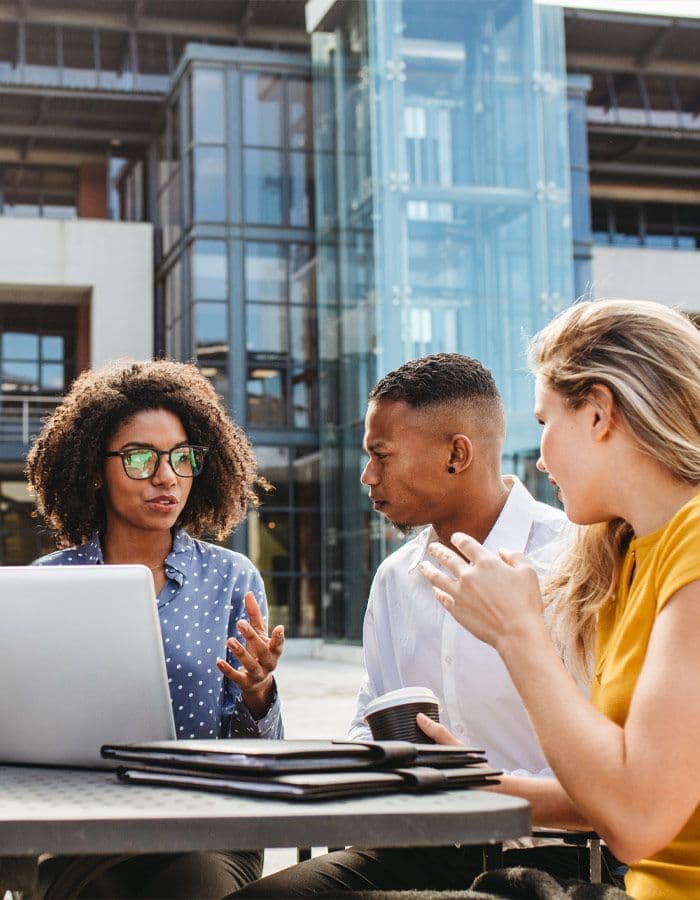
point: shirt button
(460, 729)
(448, 660)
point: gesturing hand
(494, 597)
(258, 658)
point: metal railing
(22, 417)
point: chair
(580, 839)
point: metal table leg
(493, 856)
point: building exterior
(444, 222)
(301, 196)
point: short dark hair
(438, 378)
(66, 460)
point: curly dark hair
(439, 378)
(66, 459)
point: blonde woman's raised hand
(497, 598)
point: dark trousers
(415, 868)
(181, 876)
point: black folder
(317, 785)
(233, 756)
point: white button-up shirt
(410, 639)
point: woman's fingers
(256, 671)
(447, 600)
(256, 644)
(260, 654)
(276, 643)
(459, 563)
(470, 548)
(254, 615)
(512, 557)
(440, 580)
(226, 669)
(450, 561)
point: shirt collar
(510, 530)
(419, 550)
(177, 561)
(512, 527)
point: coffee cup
(392, 716)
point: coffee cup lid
(400, 696)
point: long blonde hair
(648, 355)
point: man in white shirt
(434, 434)
(409, 639)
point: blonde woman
(618, 398)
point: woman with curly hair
(618, 397)
(137, 464)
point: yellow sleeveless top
(661, 563)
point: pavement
(318, 701)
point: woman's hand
(258, 658)
(495, 597)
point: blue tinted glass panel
(52, 377)
(19, 345)
(263, 186)
(209, 270)
(273, 463)
(52, 347)
(266, 396)
(208, 105)
(54, 211)
(40, 66)
(266, 328)
(218, 376)
(662, 241)
(209, 184)
(299, 132)
(301, 188)
(79, 69)
(211, 329)
(266, 272)
(18, 376)
(262, 109)
(302, 274)
(303, 400)
(303, 327)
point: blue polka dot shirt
(198, 607)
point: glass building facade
(443, 221)
(237, 290)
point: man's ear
(602, 403)
(461, 453)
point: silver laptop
(81, 663)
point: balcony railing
(22, 417)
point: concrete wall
(112, 261)
(669, 276)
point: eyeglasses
(140, 463)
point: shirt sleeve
(242, 723)
(237, 719)
(359, 729)
(371, 685)
(679, 563)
